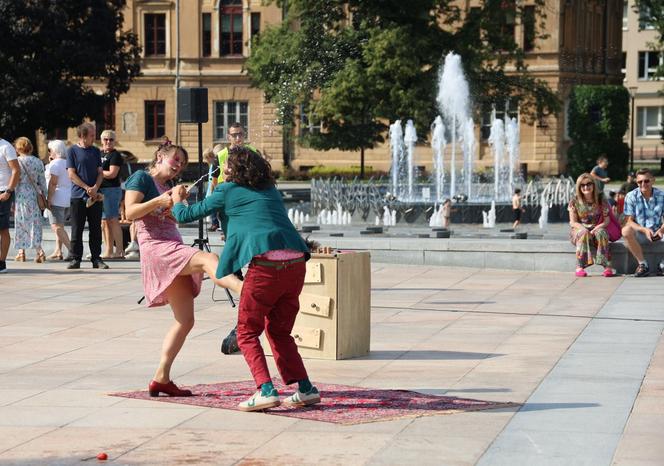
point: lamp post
(632, 94)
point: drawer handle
(313, 305)
(297, 337)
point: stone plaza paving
(584, 359)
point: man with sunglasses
(235, 138)
(644, 208)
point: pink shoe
(581, 273)
(609, 272)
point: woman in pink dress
(171, 272)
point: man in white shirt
(9, 176)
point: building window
(625, 13)
(231, 27)
(155, 119)
(499, 110)
(309, 122)
(155, 35)
(108, 119)
(228, 112)
(206, 31)
(255, 24)
(644, 18)
(529, 28)
(623, 66)
(649, 121)
(648, 64)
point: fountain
(438, 144)
(452, 132)
(410, 138)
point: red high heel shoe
(169, 389)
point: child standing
(516, 208)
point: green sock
(304, 386)
(266, 388)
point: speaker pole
(199, 191)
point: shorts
(57, 215)
(112, 198)
(5, 212)
(516, 215)
(641, 238)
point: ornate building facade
(205, 43)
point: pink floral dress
(163, 255)
(590, 215)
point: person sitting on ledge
(588, 218)
(643, 214)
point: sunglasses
(587, 185)
(236, 135)
(646, 181)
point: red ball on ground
(102, 456)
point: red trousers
(270, 302)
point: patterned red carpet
(340, 404)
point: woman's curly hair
(249, 168)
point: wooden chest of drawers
(335, 307)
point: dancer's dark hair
(249, 168)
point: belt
(278, 264)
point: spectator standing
(235, 139)
(85, 172)
(600, 173)
(10, 174)
(643, 220)
(59, 196)
(111, 162)
(28, 216)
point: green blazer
(254, 222)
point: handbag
(41, 199)
(614, 229)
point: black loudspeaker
(192, 105)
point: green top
(142, 181)
(254, 221)
(222, 156)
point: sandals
(41, 257)
(20, 257)
(55, 257)
(581, 273)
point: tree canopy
(358, 64)
(49, 49)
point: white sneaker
(132, 255)
(133, 246)
(259, 402)
(303, 399)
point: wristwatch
(9, 190)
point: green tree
(359, 64)
(598, 119)
(49, 49)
